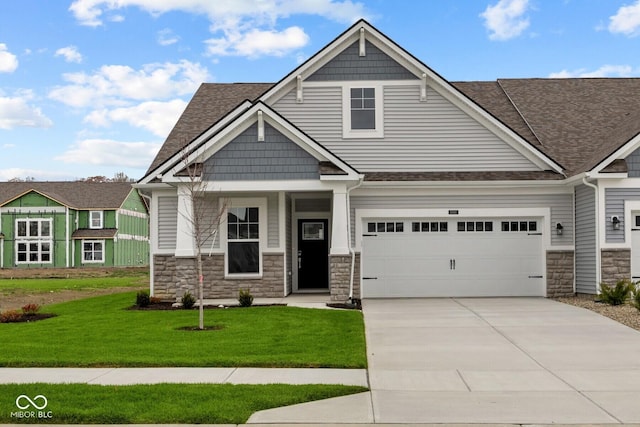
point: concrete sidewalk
(128, 376)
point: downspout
(597, 230)
(351, 250)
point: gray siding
(633, 164)
(586, 258)
(349, 65)
(427, 136)
(167, 222)
(245, 158)
(561, 206)
(614, 205)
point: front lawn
(102, 332)
(54, 284)
(155, 404)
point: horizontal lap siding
(418, 136)
(586, 258)
(614, 205)
(561, 206)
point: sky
(93, 87)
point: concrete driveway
(487, 360)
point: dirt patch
(67, 273)
(625, 313)
(17, 299)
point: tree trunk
(200, 291)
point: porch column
(339, 229)
(185, 242)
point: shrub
(636, 297)
(143, 299)
(245, 299)
(11, 316)
(188, 301)
(617, 294)
(30, 309)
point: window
(95, 219)
(243, 240)
(482, 226)
(430, 227)
(92, 251)
(385, 227)
(33, 241)
(531, 226)
(362, 111)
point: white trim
(621, 153)
(513, 189)
(347, 131)
(101, 218)
(136, 214)
(282, 237)
(33, 209)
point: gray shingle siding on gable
(633, 164)
(585, 240)
(245, 158)
(349, 65)
(614, 205)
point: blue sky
(92, 87)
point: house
(72, 224)
(364, 173)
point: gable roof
(74, 194)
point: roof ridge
(524, 119)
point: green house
(72, 224)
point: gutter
(597, 231)
(351, 250)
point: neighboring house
(364, 173)
(72, 224)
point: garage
(441, 257)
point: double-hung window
(362, 111)
(95, 219)
(34, 241)
(243, 240)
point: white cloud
(626, 20)
(70, 54)
(106, 152)
(235, 23)
(7, 146)
(8, 61)
(118, 85)
(156, 117)
(167, 38)
(604, 71)
(41, 175)
(17, 112)
(505, 20)
(257, 43)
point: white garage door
(445, 258)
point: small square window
(470, 226)
(514, 226)
(444, 226)
(415, 227)
(461, 226)
(371, 227)
(523, 226)
(381, 227)
(390, 227)
(479, 226)
(399, 227)
(434, 226)
(533, 226)
(637, 220)
(488, 226)
(505, 226)
(425, 226)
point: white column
(339, 229)
(185, 241)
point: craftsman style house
(364, 173)
(72, 224)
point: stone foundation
(340, 276)
(173, 277)
(616, 265)
(559, 273)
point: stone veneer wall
(340, 275)
(175, 276)
(616, 265)
(560, 273)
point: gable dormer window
(96, 219)
(362, 111)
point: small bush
(30, 309)
(10, 316)
(636, 297)
(617, 294)
(188, 301)
(245, 299)
(143, 299)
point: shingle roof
(575, 122)
(87, 233)
(75, 194)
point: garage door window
(482, 226)
(430, 227)
(519, 226)
(385, 227)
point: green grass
(9, 286)
(102, 332)
(159, 404)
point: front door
(313, 254)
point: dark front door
(313, 254)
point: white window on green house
(92, 251)
(34, 241)
(96, 219)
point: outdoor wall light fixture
(559, 229)
(615, 221)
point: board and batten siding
(167, 222)
(614, 205)
(561, 206)
(585, 254)
(430, 136)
